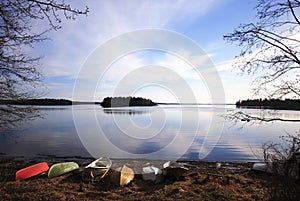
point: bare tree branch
(242, 116)
(293, 12)
(271, 46)
(19, 71)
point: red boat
(31, 171)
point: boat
(174, 169)
(167, 164)
(99, 168)
(260, 166)
(62, 168)
(100, 163)
(280, 168)
(152, 173)
(31, 171)
(122, 176)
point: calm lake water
(169, 132)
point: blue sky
(204, 22)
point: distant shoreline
(272, 104)
(63, 102)
(45, 102)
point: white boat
(99, 168)
(152, 173)
(100, 163)
(260, 167)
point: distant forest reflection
(126, 111)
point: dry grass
(202, 182)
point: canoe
(31, 171)
(100, 163)
(62, 168)
(99, 168)
(122, 176)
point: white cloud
(164, 70)
(110, 18)
(71, 46)
(239, 85)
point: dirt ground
(202, 181)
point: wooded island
(126, 102)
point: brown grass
(234, 181)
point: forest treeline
(45, 101)
(277, 104)
(126, 102)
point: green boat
(62, 168)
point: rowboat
(99, 168)
(62, 168)
(122, 176)
(31, 171)
(152, 173)
(100, 163)
(174, 169)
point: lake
(168, 132)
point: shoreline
(4, 157)
(202, 181)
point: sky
(80, 62)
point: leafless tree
(283, 159)
(19, 71)
(271, 48)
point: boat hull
(31, 171)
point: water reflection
(14, 116)
(125, 111)
(157, 133)
(152, 134)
